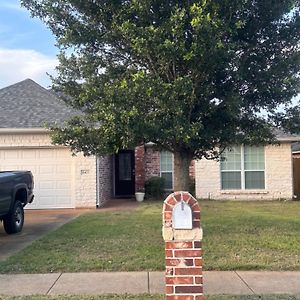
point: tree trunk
(181, 171)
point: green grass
(237, 236)
(151, 297)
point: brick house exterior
(278, 177)
(63, 180)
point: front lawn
(237, 236)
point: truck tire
(13, 223)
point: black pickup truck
(16, 190)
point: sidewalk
(227, 282)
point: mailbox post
(183, 235)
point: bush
(154, 187)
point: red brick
(186, 197)
(176, 262)
(188, 271)
(192, 289)
(172, 262)
(139, 167)
(167, 207)
(171, 201)
(168, 253)
(192, 201)
(198, 262)
(169, 289)
(196, 215)
(198, 280)
(167, 215)
(177, 196)
(197, 244)
(195, 206)
(180, 280)
(179, 245)
(169, 271)
(196, 224)
(188, 253)
(199, 297)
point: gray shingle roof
(284, 136)
(28, 105)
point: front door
(124, 173)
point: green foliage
(188, 76)
(154, 187)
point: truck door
(5, 195)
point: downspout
(97, 183)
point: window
(166, 168)
(243, 168)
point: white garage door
(52, 171)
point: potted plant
(140, 195)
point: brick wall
(105, 179)
(278, 178)
(183, 253)
(152, 162)
(139, 168)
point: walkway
(229, 282)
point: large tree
(190, 76)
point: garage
(52, 171)
(62, 180)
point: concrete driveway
(37, 223)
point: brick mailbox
(183, 235)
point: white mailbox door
(182, 216)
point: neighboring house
(63, 180)
(249, 173)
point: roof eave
(289, 139)
(23, 130)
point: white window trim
(172, 171)
(243, 172)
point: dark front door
(124, 173)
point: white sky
(26, 46)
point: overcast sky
(26, 46)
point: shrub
(154, 187)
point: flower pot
(139, 196)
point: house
(63, 180)
(249, 173)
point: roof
(26, 104)
(282, 136)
